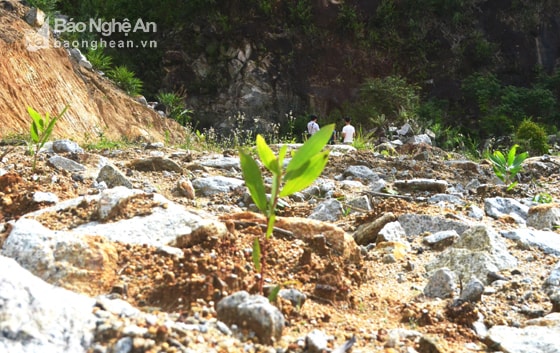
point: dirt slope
(48, 79)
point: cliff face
(48, 79)
(267, 66)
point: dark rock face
(266, 71)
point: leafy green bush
(126, 80)
(447, 137)
(301, 15)
(48, 6)
(306, 165)
(507, 168)
(482, 89)
(175, 107)
(348, 22)
(532, 137)
(520, 102)
(391, 97)
(496, 125)
(99, 60)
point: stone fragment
(113, 177)
(39, 317)
(538, 335)
(441, 240)
(329, 210)
(442, 284)
(367, 233)
(63, 163)
(253, 312)
(545, 216)
(316, 341)
(420, 184)
(35, 17)
(415, 224)
(472, 291)
(497, 207)
(155, 164)
(66, 146)
(209, 186)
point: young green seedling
(306, 165)
(41, 130)
(507, 168)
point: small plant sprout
(543, 197)
(306, 165)
(41, 130)
(507, 168)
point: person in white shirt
(348, 132)
(312, 126)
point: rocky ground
(367, 298)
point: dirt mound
(48, 79)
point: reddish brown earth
(48, 80)
(365, 298)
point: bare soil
(365, 299)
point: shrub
(99, 60)
(48, 6)
(496, 125)
(391, 96)
(175, 107)
(483, 89)
(532, 137)
(126, 80)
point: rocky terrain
(149, 249)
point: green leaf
(499, 174)
(511, 186)
(520, 158)
(253, 180)
(34, 132)
(281, 155)
(511, 154)
(274, 293)
(306, 175)
(36, 118)
(48, 131)
(257, 254)
(310, 148)
(498, 158)
(267, 156)
(42, 122)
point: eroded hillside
(48, 79)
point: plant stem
(270, 220)
(264, 246)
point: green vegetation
(437, 45)
(384, 101)
(543, 197)
(126, 80)
(99, 60)
(40, 130)
(507, 168)
(175, 107)
(103, 143)
(532, 137)
(363, 140)
(48, 6)
(306, 165)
